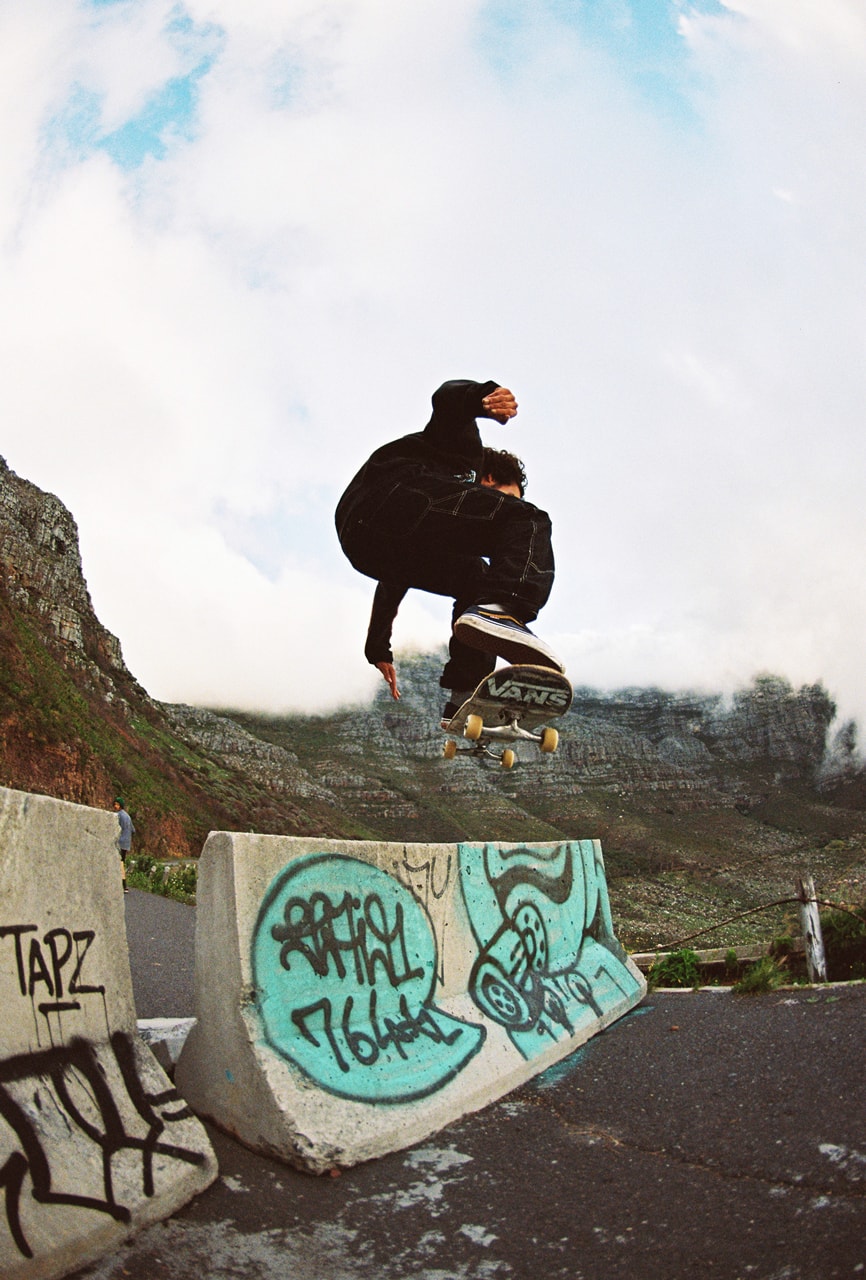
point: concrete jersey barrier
(95, 1142)
(353, 997)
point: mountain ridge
(699, 801)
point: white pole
(810, 922)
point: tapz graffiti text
(52, 967)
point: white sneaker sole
(512, 645)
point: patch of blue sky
(168, 115)
(296, 533)
(640, 39)
(73, 131)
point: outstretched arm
(377, 650)
(452, 431)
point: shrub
(139, 871)
(764, 975)
(679, 969)
(180, 882)
(845, 944)
(842, 927)
(143, 863)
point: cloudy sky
(242, 241)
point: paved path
(161, 937)
(703, 1135)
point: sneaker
(490, 628)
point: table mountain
(701, 801)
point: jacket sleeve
(386, 602)
(452, 430)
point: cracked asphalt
(702, 1134)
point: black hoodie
(450, 445)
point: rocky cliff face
(74, 723)
(625, 760)
(43, 579)
(55, 654)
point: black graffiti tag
(426, 871)
(50, 1071)
(365, 1046)
(352, 937)
(41, 966)
(311, 930)
(344, 962)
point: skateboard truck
(482, 735)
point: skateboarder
(503, 472)
(420, 514)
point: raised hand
(500, 404)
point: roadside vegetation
(170, 879)
(844, 933)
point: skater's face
(489, 483)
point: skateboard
(506, 707)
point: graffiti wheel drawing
(498, 996)
(505, 981)
(529, 923)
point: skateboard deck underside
(513, 701)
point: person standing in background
(124, 838)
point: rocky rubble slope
(704, 806)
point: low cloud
(204, 340)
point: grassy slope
(60, 737)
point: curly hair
(504, 468)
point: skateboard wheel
(549, 740)
(473, 728)
(449, 751)
(507, 758)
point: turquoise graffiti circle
(344, 967)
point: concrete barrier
(95, 1142)
(354, 997)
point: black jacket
(386, 602)
(449, 445)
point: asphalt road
(704, 1134)
(161, 937)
